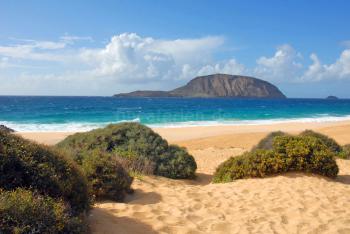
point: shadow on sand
(140, 197)
(102, 221)
(201, 179)
(344, 179)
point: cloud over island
(130, 61)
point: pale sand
(292, 203)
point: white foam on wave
(315, 119)
(86, 126)
(54, 127)
(59, 127)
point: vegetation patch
(28, 165)
(136, 147)
(108, 179)
(339, 151)
(328, 141)
(267, 142)
(289, 153)
(345, 154)
(24, 211)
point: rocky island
(217, 85)
(332, 98)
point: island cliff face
(217, 85)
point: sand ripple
(293, 203)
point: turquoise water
(85, 113)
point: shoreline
(187, 136)
(87, 126)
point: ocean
(26, 113)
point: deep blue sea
(84, 113)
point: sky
(106, 47)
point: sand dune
(290, 203)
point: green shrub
(135, 164)
(141, 146)
(108, 178)
(306, 153)
(345, 153)
(176, 163)
(289, 153)
(329, 142)
(258, 163)
(267, 142)
(29, 165)
(22, 211)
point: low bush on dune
(346, 152)
(307, 154)
(256, 163)
(339, 151)
(22, 211)
(267, 142)
(135, 164)
(289, 153)
(177, 163)
(108, 179)
(41, 190)
(136, 147)
(329, 142)
(29, 165)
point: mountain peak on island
(217, 85)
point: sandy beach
(290, 203)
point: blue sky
(104, 47)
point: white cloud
(341, 68)
(69, 39)
(338, 70)
(283, 66)
(129, 61)
(185, 50)
(41, 50)
(286, 66)
(48, 45)
(315, 70)
(4, 62)
(227, 67)
(126, 59)
(131, 57)
(34, 51)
